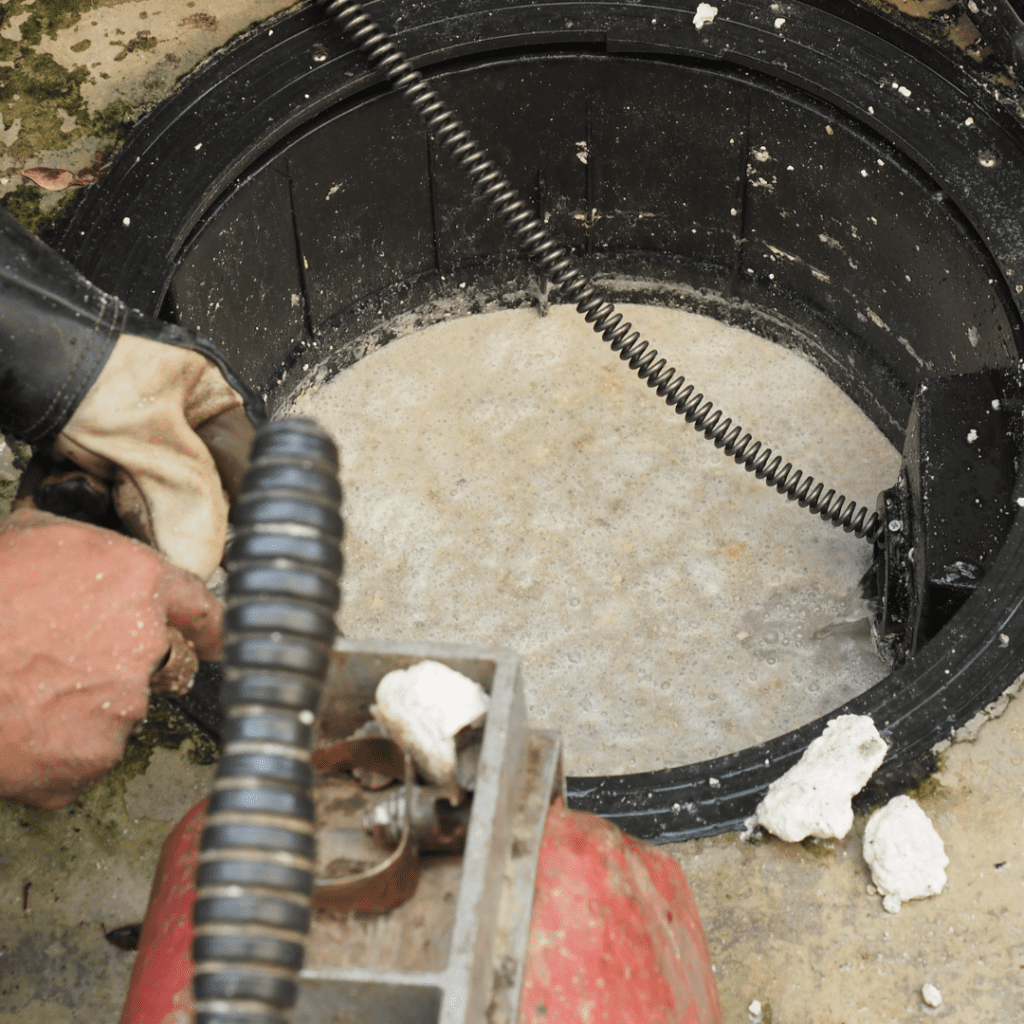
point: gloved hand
(168, 432)
(152, 408)
(85, 617)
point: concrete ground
(794, 927)
(791, 926)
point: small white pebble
(931, 995)
(1004, 639)
(127, 221)
(863, 173)
(904, 91)
(198, 146)
(754, 1009)
(704, 16)
(871, 890)
(105, 705)
(1020, 501)
(969, 122)
(306, 717)
(714, 782)
(972, 436)
(779, 22)
(891, 904)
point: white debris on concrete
(931, 995)
(422, 708)
(905, 853)
(754, 1009)
(704, 16)
(813, 797)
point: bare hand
(84, 624)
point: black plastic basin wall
(826, 179)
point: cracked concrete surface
(789, 925)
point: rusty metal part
(367, 778)
(392, 881)
(436, 825)
(373, 753)
(178, 670)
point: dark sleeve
(57, 330)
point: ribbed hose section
(257, 855)
(557, 264)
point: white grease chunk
(813, 797)
(704, 16)
(422, 708)
(904, 852)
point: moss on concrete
(822, 849)
(166, 726)
(49, 16)
(43, 213)
(42, 95)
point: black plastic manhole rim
(919, 107)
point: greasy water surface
(507, 481)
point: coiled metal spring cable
(257, 856)
(556, 263)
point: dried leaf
(51, 178)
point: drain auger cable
(559, 267)
(257, 854)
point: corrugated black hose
(257, 855)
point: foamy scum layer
(507, 481)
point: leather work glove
(150, 408)
(88, 616)
(171, 436)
